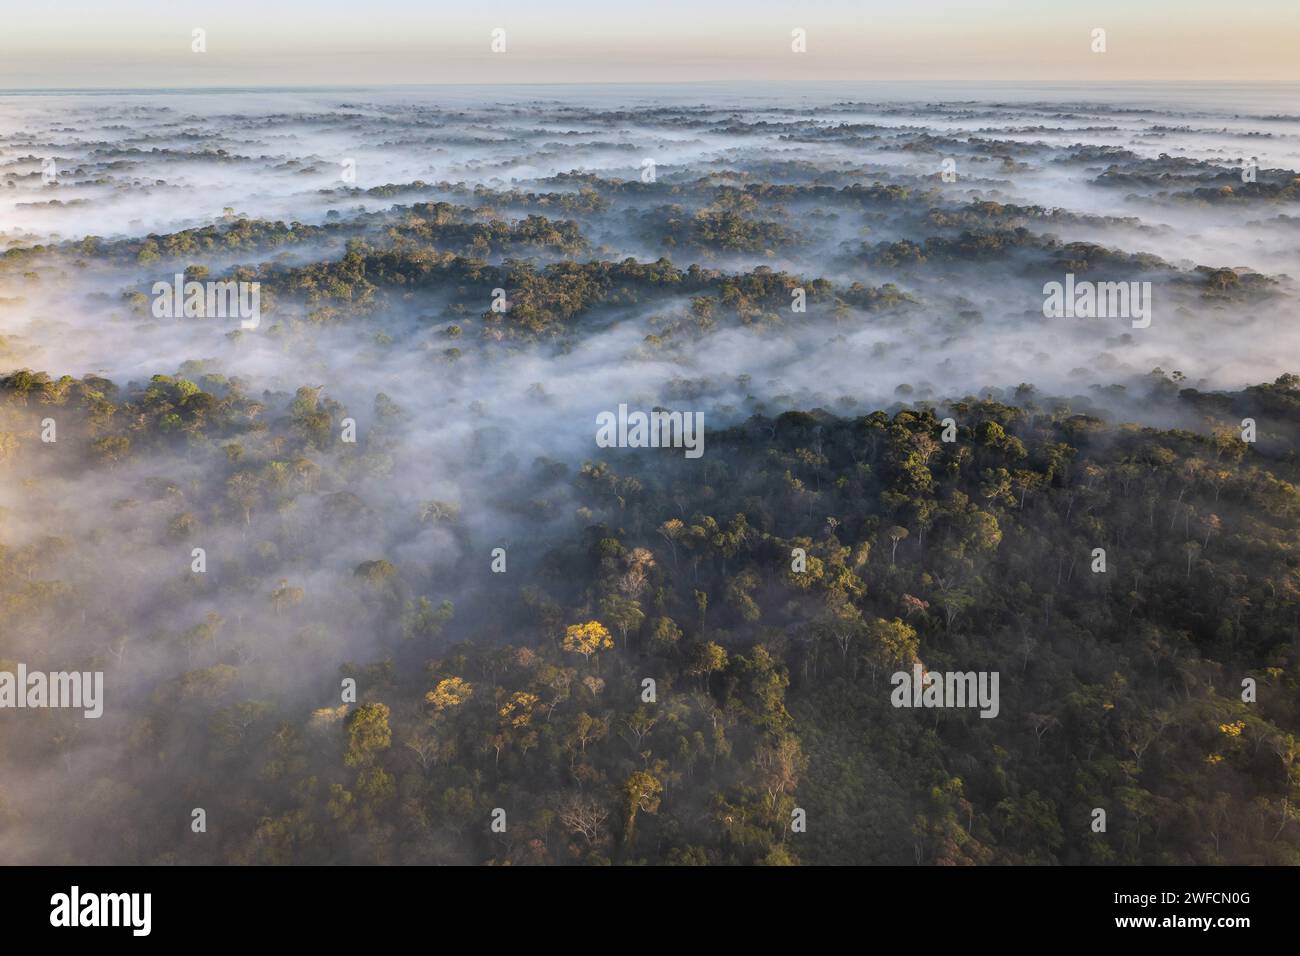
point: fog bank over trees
(388, 478)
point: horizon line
(325, 87)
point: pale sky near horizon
(147, 43)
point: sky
(249, 43)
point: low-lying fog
(1119, 170)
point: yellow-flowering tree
(451, 692)
(518, 708)
(516, 715)
(587, 639)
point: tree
(954, 601)
(780, 765)
(706, 659)
(375, 573)
(671, 530)
(914, 605)
(286, 595)
(664, 636)
(896, 534)
(1025, 481)
(585, 816)
(557, 680)
(639, 724)
(587, 639)
(449, 693)
(426, 749)
(587, 728)
(422, 620)
(1210, 524)
(842, 622)
(517, 711)
(635, 578)
(623, 613)
(368, 734)
(890, 643)
(640, 793)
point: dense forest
(1122, 689)
(365, 587)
